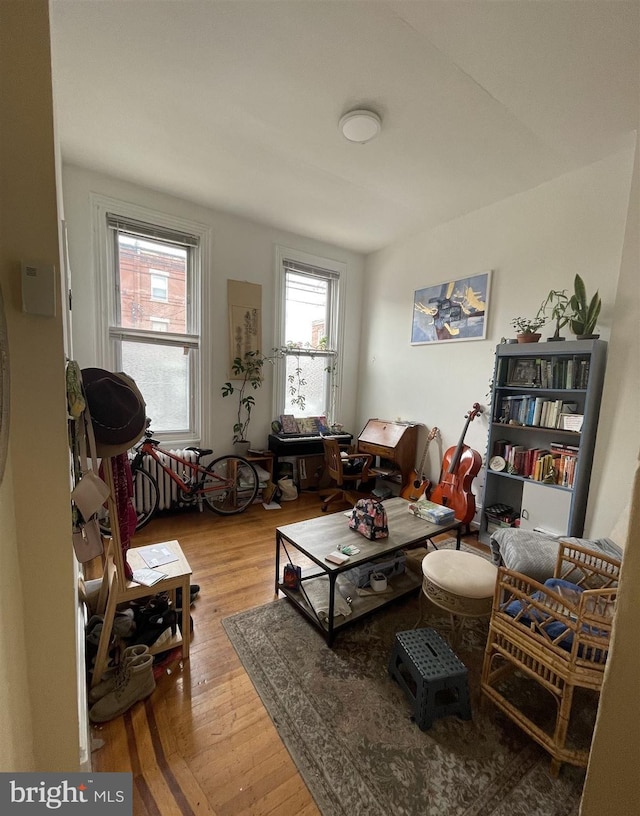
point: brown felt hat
(117, 409)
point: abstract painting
(453, 310)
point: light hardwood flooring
(203, 742)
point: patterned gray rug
(349, 729)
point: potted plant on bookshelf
(585, 313)
(527, 328)
(557, 307)
(248, 371)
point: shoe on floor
(136, 683)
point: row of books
(558, 372)
(555, 464)
(534, 411)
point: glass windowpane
(146, 295)
(162, 375)
(306, 310)
(313, 372)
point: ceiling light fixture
(360, 125)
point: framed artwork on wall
(452, 310)
(245, 320)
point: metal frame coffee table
(316, 538)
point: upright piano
(395, 443)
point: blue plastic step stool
(431, 675)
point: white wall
(613, 786)
(533, 242)
(240, 250)
(38, 681)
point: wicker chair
(554, 636)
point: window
(159, 285)
(160, 324)
(310, 331)
(153, 326)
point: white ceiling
(234, 105)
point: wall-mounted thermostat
(38, 289)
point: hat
(117, 410)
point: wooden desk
(392, 442)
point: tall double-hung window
(310, 332)
(154, 319)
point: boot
(112, 676)
(136, 683)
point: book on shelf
(560, 372)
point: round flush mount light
(360, 125)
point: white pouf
(459, 582)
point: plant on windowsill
(527, 328)
(557, 307)
(585, 314)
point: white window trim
(105, 305)
(279, 378)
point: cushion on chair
(570, 593)
(526, 551)
(535, 554)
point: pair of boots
(131, 680)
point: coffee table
(316, 538)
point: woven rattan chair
(554, 636)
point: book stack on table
(430, 511)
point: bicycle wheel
(231, 485)
(145, 501)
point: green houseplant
(585, 313)
(527, 328)
(248, 371)
(557, 307)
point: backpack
(369, 518)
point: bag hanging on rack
(90, 491)
(87, 540)
(90, 494)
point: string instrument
(417, 485)
(460, 465)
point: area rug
(349, 729)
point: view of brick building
(152, 285)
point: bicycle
(228, 485)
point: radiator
(168, 491)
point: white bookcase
(540, 391)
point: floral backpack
(369, 518)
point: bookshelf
(545, 405)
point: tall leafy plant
(248, 370)
(585, 312)
(557, 307)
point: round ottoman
(459, 582)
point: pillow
(570, 594)
(535, 554)
(527, 551)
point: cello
(460, 466)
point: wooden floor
(203, 742)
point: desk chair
(346, 471)
(116, 589)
